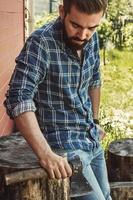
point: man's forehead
(83, 19)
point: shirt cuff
(24, 106)
(95, 84)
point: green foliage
(105, 32)
(118, 12)
(45, 19)
(117, 9)
(117, 96)
(128, 36)
(117, 124)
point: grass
(117, 95)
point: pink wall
(11, 41)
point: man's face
(79, 26)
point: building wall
(11, 41)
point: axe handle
(25, 175)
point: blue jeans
(94, 169)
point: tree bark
(120, 169)
(122, 190)
(120, 160)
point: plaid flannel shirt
(50, 80)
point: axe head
(79, 185)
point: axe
(79, 186)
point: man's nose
(83, 34)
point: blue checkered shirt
(50, 80)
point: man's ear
(61, 11)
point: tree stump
(120, 169)
(122, 190)
(120, 160)
(21, 177)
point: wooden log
(24, 177)
(120, 160)
(122, 190)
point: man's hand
(56, 166)
(102, 133)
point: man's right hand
(56, 166)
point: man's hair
(85, 6)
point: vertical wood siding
(11, 41)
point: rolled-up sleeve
(30, 70)
(96, 77)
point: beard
(76, 43)
(73, 42)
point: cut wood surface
(15, 153)
(122, 147)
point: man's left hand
(102, 133)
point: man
(54, 94)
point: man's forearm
(95, 100)
(28, 126)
